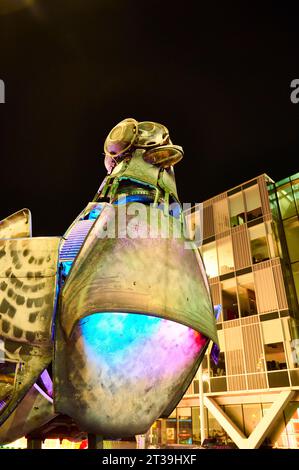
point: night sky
(217, 76)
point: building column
(261, 431)
(34, 443)
(201, 407)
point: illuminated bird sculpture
(102, 330)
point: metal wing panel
(28, 285)
(17, 225)
(28, 269)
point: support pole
(34, 443)
(201, 407)
(95, 441)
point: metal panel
(265, 287)
(264, 195)
(208, 220)
(156, 276)
(236, 382)
(279, 284)
(121, 287)
(28, 269)
(234, 359)
(216, 293)
(221, 213)
(17, 225)
(28, 277)
(241, 247)
(254, 355)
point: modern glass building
(251, 253)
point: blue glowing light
(133, 198)
(95, 212)
(131, 366)
(215, 350)
(217, 311)
(114, 338)
(124, 330)
(65, 268)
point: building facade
(250, 248)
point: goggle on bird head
(151, 137)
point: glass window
(209, 255)
(215, 430)
(275, 356)
(225, 255)
(295, 185)
(194, 223)
(278, 436)
(205, 363)
(171, 428)
(291, 227)
(286, 201)
(258, 243)
(229, 299)
(278, 379)
(265, 407)
(189, 390)
(295, 269)
(219, 369)
(234, 412)
(265, 410)
(218, 384)
(246, 292)
(252, 416)
(185, 425)
(273, 240)
(196, 386)
(253, 202)
(236, 209)
(292, 418)
(157, 433)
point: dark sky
(217, 76)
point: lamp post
(201, 406)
